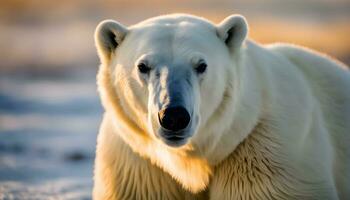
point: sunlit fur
(274, 120)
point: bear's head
(169, 74)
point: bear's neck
(256, 168)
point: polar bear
(195, 110)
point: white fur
(273, 120)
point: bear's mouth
(174, 141)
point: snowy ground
(48, 128)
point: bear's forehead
(181, 29)
(171, 33)
(168, 41)
(171, 37)
(180, 25)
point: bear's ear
(108, 36)
(233, 31)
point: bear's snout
(174, 118)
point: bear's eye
(202, 66)
(143, 68)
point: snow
(48, 129)
(55, 189)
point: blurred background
(49, 107)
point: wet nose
(174, 118)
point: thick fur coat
(267, 122)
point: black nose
(174, 118)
